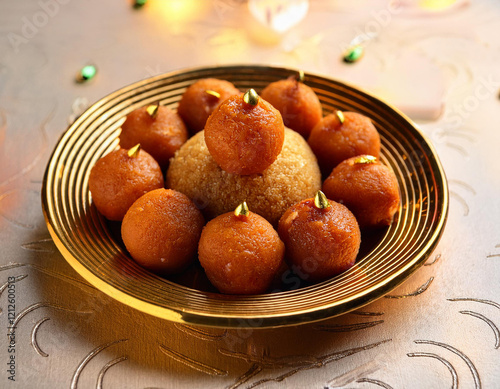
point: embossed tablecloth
(439, 329)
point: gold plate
(84, 238)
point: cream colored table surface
(440, 329)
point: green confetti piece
(139, 3)
(354, 54)
(87, 73)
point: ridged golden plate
(87, 242)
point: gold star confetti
(242, 210)
(251, 97)
(134, 151)
(320, 200)
(365, 159)
(213, 93)
(341, 117)
(153, 110)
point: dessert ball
(119, 178)
(367, 187)
(161, 133)
(161, 231)
(200, 100)
(321, 240)
(298, 104)
(339, 136)
(240, 253)
(244, 134)
(292, 177)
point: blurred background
(436, 60)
